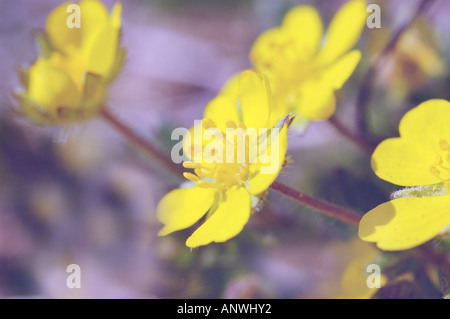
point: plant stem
(360, 142)
(317, 204)
(145, 145)
(365, 92)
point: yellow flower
(304, 72)
(68, 83)
(420, 157)
(223, 189)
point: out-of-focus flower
(354, 279)
(420, 157)
(225, 186)
(415, 59)
(84, 151)
(68, 82)
(304, 72)
(346, 270)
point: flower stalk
(145, 145)
(317, 204)
(357, 140)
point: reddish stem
(145, 145)
(317, 204)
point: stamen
(208, 123)
(435, 171)
(210, 167)
(242, 126)
(230, 124)
(202, 173)
(447, 157)
(206, 184)
(191, 177)
(438, 161)
(223, 175)
(444, 145)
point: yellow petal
(280, 109)
(407, 160)
(337, 73)
(344, 31)
(405, 223)
(116, 16)
(427, 123)
(304, 26)
(94, 17)
(254, 93)
(220, 109)
(103, 53)
(183, 207)
(60, 36)
(31, 109)
(269, 172)
(316, 100)
(104, 50)
(51, 88)
(404, 163)
(226, 222)
(231, 87)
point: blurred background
(84, 195)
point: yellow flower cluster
(304, 67)
(295, 73)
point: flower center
(225, 165)
(441, 165)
